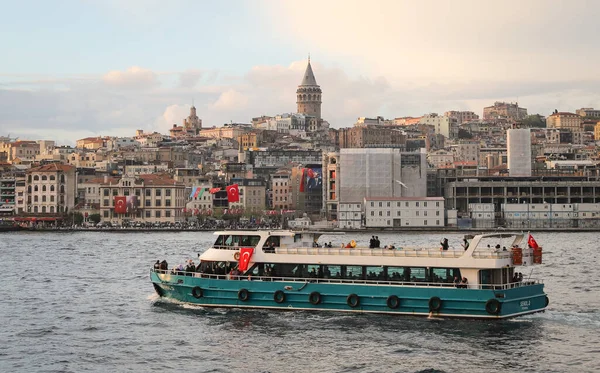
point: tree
(464, 134)
(534, 121)
(94, 218)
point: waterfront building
(200, 199)
(387, 212)
(597, 132)
(565, 120)
(331, 185)
(350, 215)
(504, 110)
(252, 194)
(148, 140)
(440, 158)
(280, 190)
(51, 189)
(306, 182)
(148, 198)
(381, 172)
(518, 143)
(466, 151)
(280, 157)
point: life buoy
(314, 298)
(393, 302)
(197, 292)
(435, 304)
(493, 306)
(236, 256)
(279, 296)
(243, 295)
(353, 300)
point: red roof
(52, 167)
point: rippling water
(82, 301)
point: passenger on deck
(464, 283)
(465, 243)
(372, 242)
(163, 265)
(329, 244)
(504, 248)
(498, 247)
(377, 242)
(444, 244)
(456, 281)
(157, 264)
(520, 277)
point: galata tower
(309, 94)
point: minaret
(308, 94)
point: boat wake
(577, 319)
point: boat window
(375, 273)
(297, 237)
(332, 271)
(352, 272)
(409, 274)
(444, 275)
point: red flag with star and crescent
(245, 255)
(532, 243)
(120, 205)
(233, 193)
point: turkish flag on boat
(245, 255)
(531, 242)
(233, 193)
(120, 205)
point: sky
(72, 69)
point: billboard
(312, 179)
(132, 203)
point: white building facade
(404, 212)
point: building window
(105, 202)
(372, 213)
(148, 192)
(138, 192)
(168, 192)
(397, 213)
(115, 192)
(157, 203)
(51, 198)
(437, 204)
(388, 213)
(158, 192)
(105, 193)
(168, 203)
(424, 204)
(157, 214)
(168, 214)
(437, 213)
(417, 204)
(425, 213)
(147, 203)
(405, 204)
(35, 198)
(417, 213)
(43, 198)
(380, 204)
(424, 222)
(105, 213)
(380, 213)
(147, 213)
(437, 222)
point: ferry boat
(290, 270)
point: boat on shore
(291, 270)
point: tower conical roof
(309, 76)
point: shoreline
(334, 230)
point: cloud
(79, 108)
(189, 78)
(134, 77)
(231, 100)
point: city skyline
(111, 68)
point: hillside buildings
(504, 110)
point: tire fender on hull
(197, 292)
(314, 298)
(279, 296)
(353, 300)
(435, 304)
(493, 306)
(243, 295)
(393, 302)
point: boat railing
(397, 252)
(314, 280)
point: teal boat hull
(437, 301)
